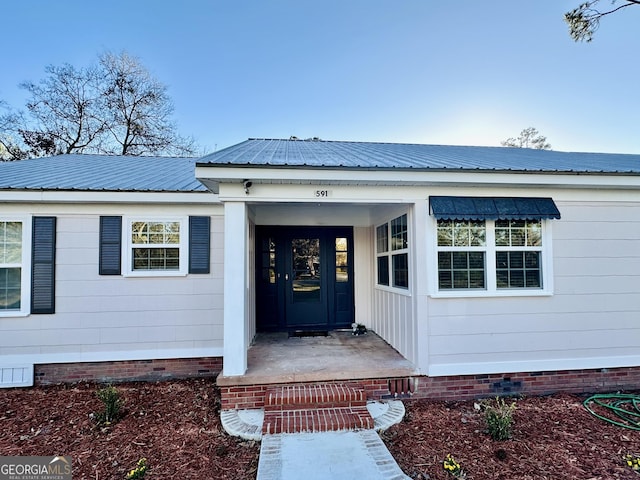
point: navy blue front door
(304, 278)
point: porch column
(421, 279)
(235, 293)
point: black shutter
(110, 246)
(43, 265)
(199, 244)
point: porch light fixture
(247, 185)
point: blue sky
(421, 71)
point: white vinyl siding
(118, 317)
(589, 322)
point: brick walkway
(315, 408)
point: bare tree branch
(584, 20)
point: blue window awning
(493, 208)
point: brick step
(316, 420)
(321, 395)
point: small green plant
(453, 467)
(138, 472)
(110, 398)
(499, 417)
(633, 461)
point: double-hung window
(13, 267)
(518, 253)
(392, 253)
(461, 254)
(157, 246)
(495, 246)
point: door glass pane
(305, 256)
(342, 259)
(269, 260)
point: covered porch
(340, 358)
(275, 358)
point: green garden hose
(622, 409)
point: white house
(479, 265)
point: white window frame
(25, 273)
(390, 253)
(128, 246)
(490, 249)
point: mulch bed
(553, 438)
(176, 426)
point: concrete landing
(275, 358)
(344, 455)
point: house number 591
(322, 193)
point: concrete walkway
(344, 455)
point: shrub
(453, 467)
(138, 472)
(499, 417)
(633, 461)
(110, 398)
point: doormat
(308, 333)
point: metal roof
(381, 156)
(177, 174)
(101, 173)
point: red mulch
(176, 426)
(554, 438)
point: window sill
(154, 273)
(13, 314)
(491, 294)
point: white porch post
(235, 288)
(421, 279)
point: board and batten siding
(113, 317)
(590, 321)
(393, 314)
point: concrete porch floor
(275, 358)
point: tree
(584, 20)
(11, 146)
(65, 112)
(528, 138)
(139, 109)
(114, 107)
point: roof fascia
(213, 175)
(58, 196)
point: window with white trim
(461, 254)
(12, 267)
(156, 246)
(392, 253)
(518, 253)
(490, 255)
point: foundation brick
(138, 370)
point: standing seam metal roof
(364, 155)
(102, 173)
